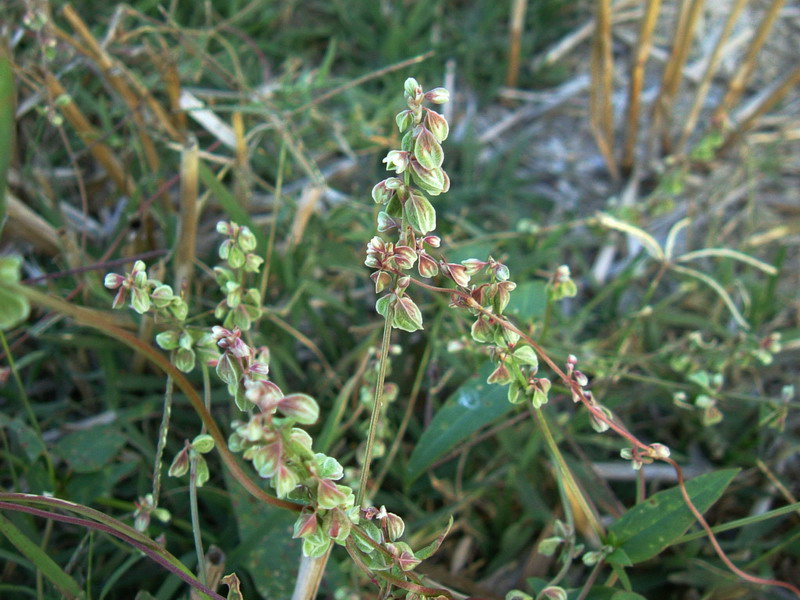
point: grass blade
(65, 584)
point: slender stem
(398, 438)
(376, 406)
(590, 581)
(162, 439)
(196, 533)
(309, 576)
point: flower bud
(247, 240)
(112, 281)
(411, 88)
(306, 525)
(437, 125)
(185, 360)
(139, 274)
(381, 194)
(548, 546)
(659, 451)
(427, 150)
(300, 408)
(438, 95)
(597, 423)
(395, 527)
(267, 459)
(473, 266)
(203, 443)
(404, 119)
(552, 592)
(427, 266)
(284, 481)
(500, 375)
(180, 464)
(168, 340)
(396, 161)
(420, 214)
(201, 471)
(224, 228)
(330, 495)
(140, 300)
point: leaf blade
(474, 405)
(655, 524)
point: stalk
(376, 406)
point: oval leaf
(651, 526)
(473, 406)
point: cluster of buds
(561, 285)
(241, 305)
(639, 457)
(151, 295)
(580, 393)
(145, 509)
(406, 207)
(194, 450)
(145, 293)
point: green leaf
(473, 406)
(66, 584)
(430, 549)
(528, 301)
(14, 308)
(648, 528)
(420, 213)
(262, 530)
(90, 449)
(407, 315)
(28, 440)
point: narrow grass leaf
(647, 240)
(728, 253)
(718, 289)
(66, 584)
